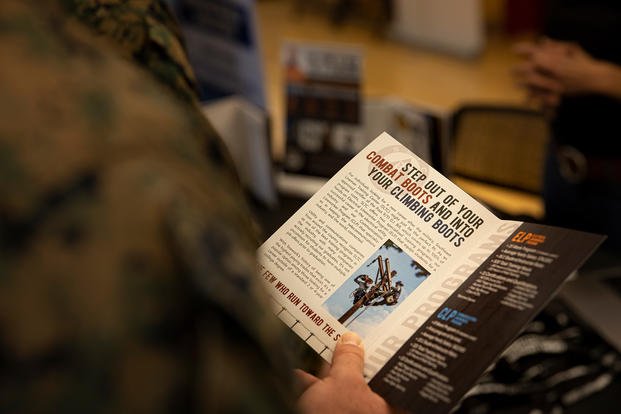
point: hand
(343, 389)
(565, 65)
(550, 69)
(543, 89)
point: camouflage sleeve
(212, 247)
(146, 32)
(126, 254)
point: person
(329, 395)
(389, 297)
(574, 74)
(363, 282)
(125, 241)
(393, 273)
(386, 285)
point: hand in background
(532, 74)
(550, 69)
(343, 389)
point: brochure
(435, 284)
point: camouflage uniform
(144, 31)
(126, 256)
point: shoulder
(120, 241)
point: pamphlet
(434, 283)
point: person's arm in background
(551, 68)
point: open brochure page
(435, 284)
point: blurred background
(297, 87)
(436, 56)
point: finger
(552, 43)
(551, 51)
(558, 45)
(526, 75)
(549, 43)
(544, 55)
(573, 49)
(548, 62)
(304, 380)
(533, 79)
(348, 357)
(524, 49)
(543, 100)
(522, 69)
(324, 370)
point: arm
(606, 79)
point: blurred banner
(322, 84)
(221, 37)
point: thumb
(348, 358)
